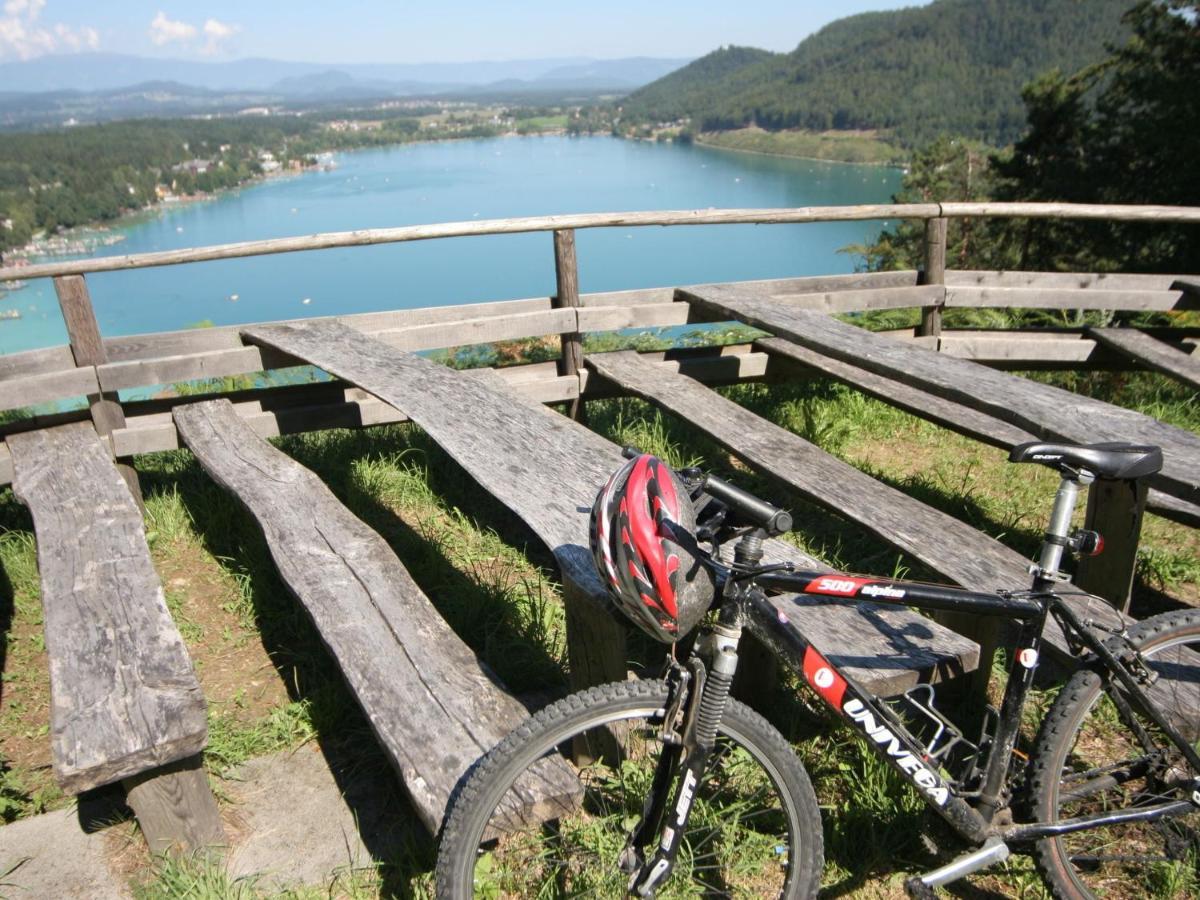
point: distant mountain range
(951, 67)
(110, 71)
(88, 87)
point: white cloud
(23, 37)
(28, 8)
(217, 31)
(166, 31)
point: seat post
(1059, 528)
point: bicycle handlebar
(759, 512)
(741, 503)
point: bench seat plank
(947, 413)
(124, 695)
(433, 705)
(1151, 352)
(547, 469)
(1047, 411)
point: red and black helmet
(642, 536)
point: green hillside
(954, 66)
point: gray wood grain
(175, 808)
(124, 696)
(433, 705)
(547, 469)
(965, 556)
(963, 419)
(1048, 412)
(1151, 352)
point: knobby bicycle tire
(1091, 756)
(755, 829)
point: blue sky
(401, 31)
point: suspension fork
(699, 737)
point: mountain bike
(683, 791)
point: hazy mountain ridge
(953, 66)
(108, 71)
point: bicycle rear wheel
(1094, 754)
(754, 831)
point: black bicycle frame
(887, 735)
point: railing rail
(368, 237)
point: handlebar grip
(760, 512)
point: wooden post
(1115, 510)
(595, 641)
(175, 808)
(566, 273)
(934, 273)
(88, 349)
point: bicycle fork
(693, 741)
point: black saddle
(1113, 460)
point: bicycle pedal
(993, 851)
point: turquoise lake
(457, 181)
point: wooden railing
(98, 367)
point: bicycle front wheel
(1096, 754)
(754, 830)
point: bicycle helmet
(642, 537)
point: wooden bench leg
(757, 673)
(175, 807)
(595, 643)
(1115, 510)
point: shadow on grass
(480, 610)
(389, 828)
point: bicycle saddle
(1113, 459)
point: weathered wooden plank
(820, 284)
(35, 362)
(27, 390)
(636, 297)
(948, 546)
(1062, 298)
(646, 315)
(726, 369)
(155, 432)
(547, 468)
(207, 340)
(1048, 412)
(175, 807)
(840, 301)
(479, 331)
(372, 236)
(963, 419)
(1150, 352)
(169, 369)
(1105, 281)
(124, 696)
(1017, 349)
(433, 705)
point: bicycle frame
(894, 743)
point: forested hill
(952, 67)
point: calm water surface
(455, 181)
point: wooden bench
(1048, 412)
(948, 546)
(1170, 359)
(433, 705)
(948, 413)
(125, 702)
(547, 469)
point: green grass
(829, 145)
